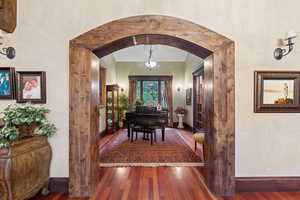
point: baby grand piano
(147, 117)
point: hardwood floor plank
(162, 183)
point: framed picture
(276, 91)
(7, 83)
(188, 97)
(31, 86)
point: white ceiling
(160, 53)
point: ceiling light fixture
(150, 64)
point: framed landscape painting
(31, 87)
(7, 83)
(277, 91)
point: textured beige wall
(266, 144)
(192, 63)
(176, 69)
(110, 64)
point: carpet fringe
(151, 164)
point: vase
(27, 130)
(180, 120)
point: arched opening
(215, 49)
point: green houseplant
(20, 120)
(123, 106)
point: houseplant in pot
(123, 106)
(23, 141)
(24, 120)
(180, 111)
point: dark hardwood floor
(161, 183)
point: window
(150, 92)
(151, 89)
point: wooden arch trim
(219, 84)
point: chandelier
(150, 64)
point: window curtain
(170, 101)
(132, 91)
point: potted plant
(180, 111)
(123, 106)
(24, 120)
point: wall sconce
(279, 52)
(9, 52)
(122, 87)
(179, 86)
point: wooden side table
(24, 168)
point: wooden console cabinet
(24, 168)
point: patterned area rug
(172, 152)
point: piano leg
(163, 133)
(128, 130)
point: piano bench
(146, 131)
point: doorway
(218, 54)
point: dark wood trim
(267, 184)
(188, 127)
(59, 185)
(101, 134)
(198, 123)
(150, 78)
(147, 39)
(102, 85)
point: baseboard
(188, 127)
(59, 185)
(267, 184)
(243, 184)
(101, 134)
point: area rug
(172, 152)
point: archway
(217, 50)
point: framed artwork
(276, 91)
(7, 83)
(188, 97)
(31, 86)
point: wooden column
(84, 118)
(220, 105)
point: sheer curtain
(132, 91)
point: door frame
(219, 71)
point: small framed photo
(188, 97)
(31, 87)
(277, 92)
(7, 83)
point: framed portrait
(188, 96)
(31, 87)
(277, 91)
(7, 83)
